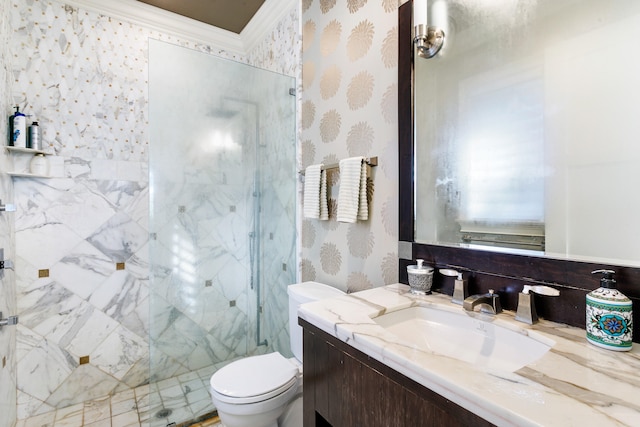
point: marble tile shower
(222, 186)
(82, 267)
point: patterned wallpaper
(82, 237)
(349, 108)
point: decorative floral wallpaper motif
(349, 58)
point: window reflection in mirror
(528, 129)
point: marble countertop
(573, 384)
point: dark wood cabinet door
(344, 387)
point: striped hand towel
(324, 207)
(352, 195)
(363, 206)
(312, 191)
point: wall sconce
(427, 39)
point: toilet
(266, 390)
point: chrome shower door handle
(11, 320)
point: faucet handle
(526, 311)
(541, 289)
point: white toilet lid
(254, 379)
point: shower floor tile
(179, 400)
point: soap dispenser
(609, 315)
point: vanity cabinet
(344, 387)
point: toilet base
(267, 413)
(290, 416)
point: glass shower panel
(222, 216)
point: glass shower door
(222, 180)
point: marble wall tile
(42, 242)
(123, 298)
(86, 383)
(84, 76)
(119, 237)
(81, 331)
(82, 270)
(30, 406)
(138, 374)
(119, 351)
(43, 304)
(50, 364)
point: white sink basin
(464, 337)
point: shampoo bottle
(19, 129)
(609, 314)
(34, 140)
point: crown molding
(164, 21)
(264, 21)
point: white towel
(312, 191)
(363, 208)
(324, 207)
(352, 195)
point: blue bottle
(19, 129)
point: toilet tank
(301, 293)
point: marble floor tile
(198, 395)
(172, 393)
(188, 376)
(127, 419)
(154, 405)
(149, 412)
(201, 408)
(70, 412)
(96, 410)
(142, 390)
(101, 423)
(43, 420)
(179, 415)
(193, 385)
(123, 395)
(71, 415)
(206, 372)
(143, 402)
(118, 408)
(70, 422)
(168, 383)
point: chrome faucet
(489, 302)
(526, 308)
(460, 290)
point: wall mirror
(527, 129)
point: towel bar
(371, 161)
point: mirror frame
(504, 272)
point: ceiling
(231, 15)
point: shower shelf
(19, 151)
